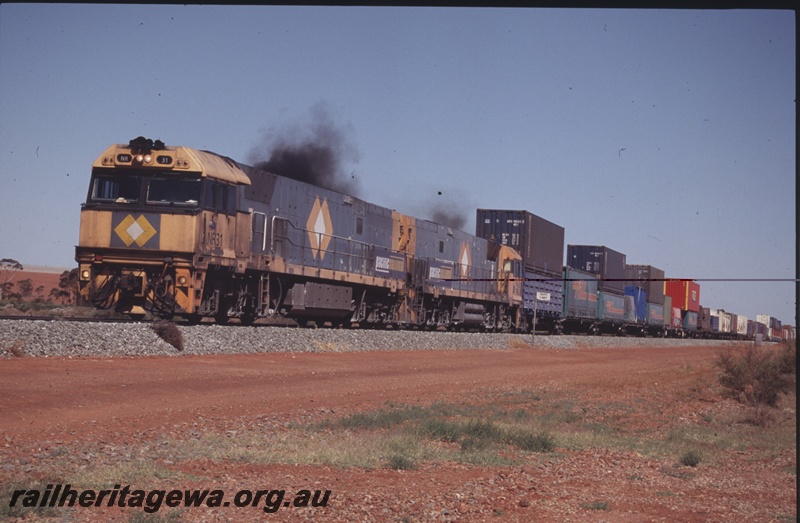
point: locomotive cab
(156, 219)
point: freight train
(184, 233)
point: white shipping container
(724, 321)
(763, 319)
(741, 325)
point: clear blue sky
(667, 135)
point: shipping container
(639, 296)
(704, 319)
(734, 325)
(605, 263)
(677, 320)
(630, 310)
(741, 325)
(763, 318)
(690, 320)
(612, 307)
(538, 241)
(667, 311)
(655, 314)
(580, 294)
(789, 332)
(649, 278)
(751, 328)
(685, 294)
(715, 323)
(724, 320)
(544, 294)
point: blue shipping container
(690, 320)
(639, 302)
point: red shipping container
(685, 294)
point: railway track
(16, 317)
(283, 323)
(91, 319)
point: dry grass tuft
(169, 332)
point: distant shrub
(787, 360)
(754, 375)
(691, 459)
(400, 462)
(169, 332)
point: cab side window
(219, 197)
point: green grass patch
(597, 505)
(507, 429)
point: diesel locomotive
(184, 233)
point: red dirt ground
(55, 402)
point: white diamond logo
(464, 260)
(135, 230)
(319, 226)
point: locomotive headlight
(182, 280)
(140, 158)
(85, 274)
(148, 159)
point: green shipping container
(612, 307)
(580, 295)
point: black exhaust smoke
(313, 152)
(450, 216)
(448, 209)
